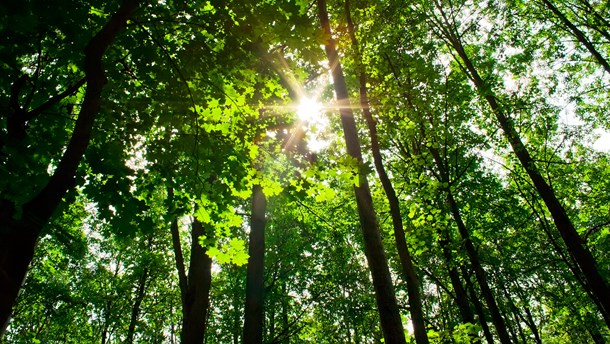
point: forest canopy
(305, 171)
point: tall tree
(194, 286)
(22, 223)
(446, 28)
(406, 261)
(374, 251)
(255, 278)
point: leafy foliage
(200, 99)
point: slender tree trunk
(135, 310)
(255, 278)
(580, 36)
(601, 25)
(569, 260)
(197, 298)
(477, 306)
(529, 321)
(461, 298)
(582, 256)
(517, 314)
(285, 323)
(406, 261)
(194, 286)
(236, 318)
(479, 272)
(18, 237)
(389, 314)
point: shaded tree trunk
(194, 286)
(461, 298)
(478, 307)
(197, 298)
(473, 255)
(18, 236)
(529, 319)
(581, 254)
(567, 258)
(479, 272)
(135, 310)
(255, 279)
(576, 32)
(406, 261)
(389, 314)
(236, 328)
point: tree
(480, 120)
(255, 291)
(408, 268)
(23, 222)
(384, 291)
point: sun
(313, 117)
(309, 110)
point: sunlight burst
(309, 110)
(311, 114)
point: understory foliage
(199, 107)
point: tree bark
(255, 278)
(406, 261)
(135, 310)
(479, 272)
(581, 254)
(18, 236)
(580, 36)
(461, 298)
(478, 307)
(389, 314)
(196, 300)
(473, 255)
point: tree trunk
(580, 36)
(255, 289)
(473, 255)
(406, 261)
(236, 328)
(194, 287)
(479, 272)
(135, 310)
(461, 298)
(389, 314)
(196, 301)
(529, 319)
(478, 307)
(18, 237)
(582, 255)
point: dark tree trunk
(406, 261)
(529, 319)
(236, 328)
(478, 307)
(479, 272)
(135, 310)
(580, 36)
(197, 297)
(567, 259)
(473, 255)
(255, 288)
(461, 298)
(391, 324)
(518, 316)
(194, 286)
(581, 254)
(18, 237)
